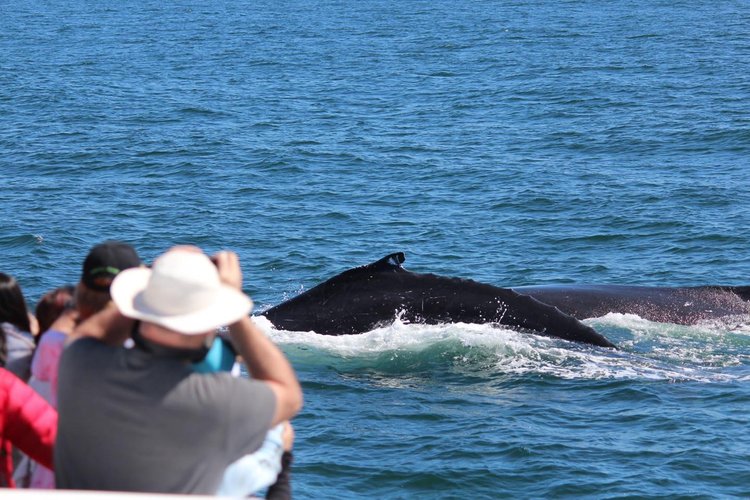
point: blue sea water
(512, 142)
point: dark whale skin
(369, 296)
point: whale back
(362, 298)
(678, 305)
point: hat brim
(228, 305)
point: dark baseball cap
(105, 261)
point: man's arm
(267, 363)
(107, 326)
(30, 423)
(264, 360)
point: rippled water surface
(510, 142)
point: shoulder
(7, 379)
(17, 391)
(53, 337)
(83, 344)
(226, 386)
(16, 338)
(88, 348)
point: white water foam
(648, 351)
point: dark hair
(12, 310)
(89, 302)
(51, 306)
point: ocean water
(511, 142)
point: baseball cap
(105, 261)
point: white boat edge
(24, 493)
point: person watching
(17, 329)
(26, 422)
(143, 419)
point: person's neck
(171, 338)
(158, 349)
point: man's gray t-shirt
(133, 421)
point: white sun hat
(181, 292)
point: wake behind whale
(486, 354)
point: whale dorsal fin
(742, 291)
(388, 262)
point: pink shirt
(45, 363)
(44, 381)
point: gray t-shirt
(132, 421)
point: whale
(678, 305)
(363, 298)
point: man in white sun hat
(142, 419)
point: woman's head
(12, 304)
(12, 310)
(52, 304)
